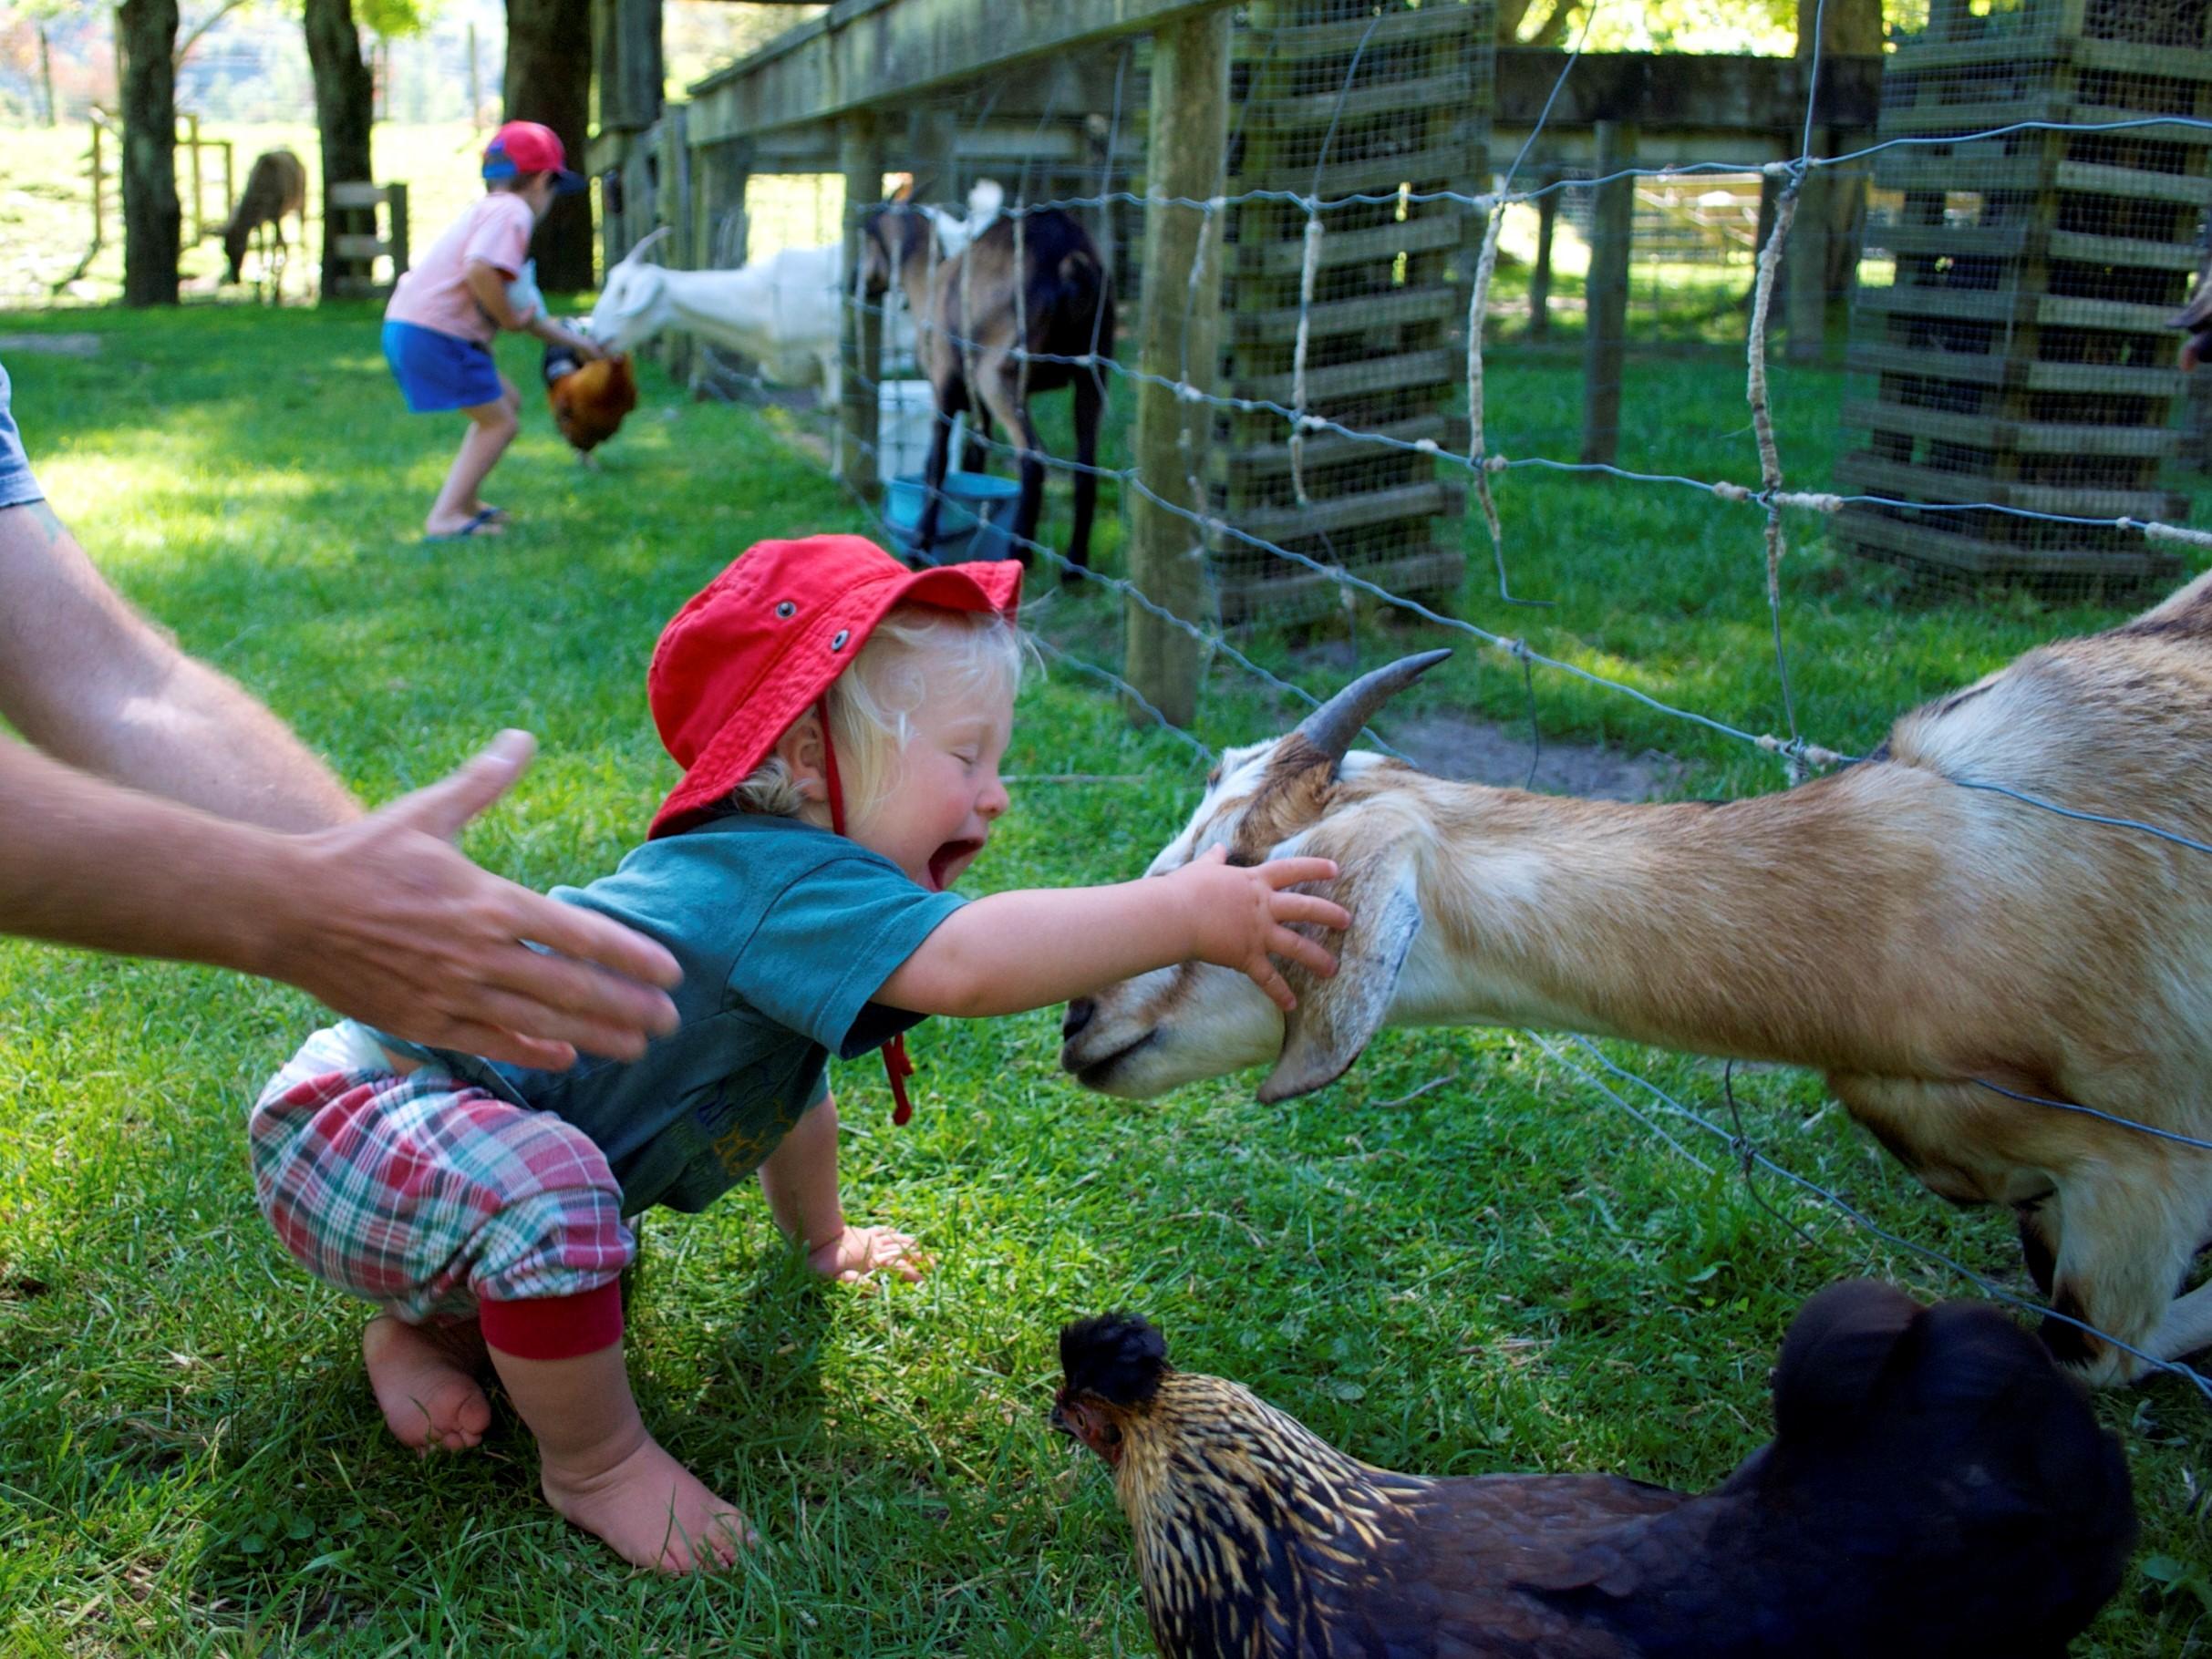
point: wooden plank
(2133, 58)
(862, 52)
(1440, 367)
(2135, 183)
(2124, 250)
(2075, 311)
(1978, 240)
(1607, 287)
(1341, 513)
(352, 197)
(1290, 592)
(1296, 41)
(1437, 162)
(1327, 449)
(1429, 234)
(352, 245)
(2027, 437)
(1960, 304)
(1978, 172)
(1669, 91)
(1318, 108)
(1917, 483)
(1180, 332)
(1360, 313)
(1976, 556)
(1987, 369)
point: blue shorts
(438, 371)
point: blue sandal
(491, 515)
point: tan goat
(1912, 939)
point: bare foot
(425, 1378)
(652, 1510)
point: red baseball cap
(757, 646)
(525, 146)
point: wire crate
(2023, 357)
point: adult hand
(388, 922)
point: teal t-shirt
(784, 933)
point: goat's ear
(1335, 1018)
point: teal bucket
(974, 523)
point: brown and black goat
(1963, 965)
(988, 342)
(276, 185)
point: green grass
(1507, 1271)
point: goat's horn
(637, 248)
(1332, 726)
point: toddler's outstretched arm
(1017, 950)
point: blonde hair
(915, 649)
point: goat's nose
(1078, 1017)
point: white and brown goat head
(1310, 793)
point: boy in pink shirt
(438, 329)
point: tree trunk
(146, 33)
(1848, 28)
(549, 80)
(344, 94)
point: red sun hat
(526, 147)
(757, 646)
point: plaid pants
(425, 1195)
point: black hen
(1935, 1486)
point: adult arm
(1015, 950)
(175, 816)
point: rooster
(588, 399)
(1935, 1486)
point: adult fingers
(587, 936)
(442, 809)
(492, 1042)
(523, 991)
(1308, 954)
(1310, 907)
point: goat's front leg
(1002, 394)
(2128, 1227)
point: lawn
(1506, 1271)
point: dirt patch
(1481, 751)
(1468, 748)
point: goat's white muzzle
(1173, 1025)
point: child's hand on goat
(1241, 916)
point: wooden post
(860, 158)
(1608, 291)
(1179, 329)
(1540, 275)
(476, 96)
(1806, 261)
(99, 187)
(396, 207)
(192, 131)
(674, 205)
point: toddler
(439, 327)
(840, 721)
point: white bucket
(904, 413)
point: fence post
(675, 210)
(860, 157)
(1606, 288)
(1805, 263)
(1179, 329)
(1540, 275)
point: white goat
(780, 312)
(985, 199)
(1926, 945)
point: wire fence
(1740, 212)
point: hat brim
(568, 183)
(804, 672)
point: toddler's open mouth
(949, 860)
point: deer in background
(276, 184)
(1924, 944)
(982, 326)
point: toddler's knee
(557, 1242)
